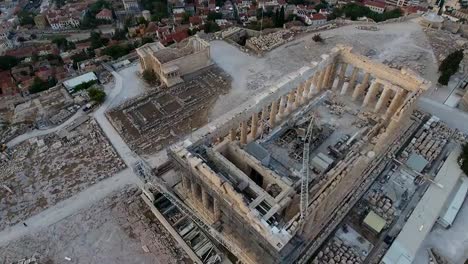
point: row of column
(199, 194)
(285, 105)
(369, 89)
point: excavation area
(152, 121)
(39, 172)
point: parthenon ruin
(244, 173)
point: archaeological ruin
(273, 177)
(171, 63)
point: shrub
(317, 38)
(96, 95)
(150, 77)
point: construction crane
(305, 169)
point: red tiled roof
(196, 20)
(375, 3)
(105, 13)
(318, 17)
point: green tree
(185, 18)
(26, 18)
(63, 44)
(7, 62)
(150, 77)
(463, 159)
(39, 85)
(96, 94)
(119, 34)
(211, 27)
(117, 51)
(449, 66)
(212, 16)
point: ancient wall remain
(192, 62)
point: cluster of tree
(7, 62)
(212, 16)
(354, 11)
(63, 44)
(449, 66)
(150, 77)
(158, 8)
(59, 3)
(26, 18)
(84, 85)
(89, 20)
(270, 18)
(39, 85)
(211, 27)
(463, 159)
(96, 94)
(119, 34)
(97, 41)
(79, 57)
(118, 51)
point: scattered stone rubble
(270, 41)
(336, 252)
(430, 140)
(45, 170)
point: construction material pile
(382, 205)
(429, 141)
(338, 253)
(270, 41)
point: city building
(244, 176)
(70, 84)
(105, 14)
(399, 3)
(317, 19)
(67, 17)
(171, 63)
(378, 7)
(131, 5)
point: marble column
(383, 100)
(254, 126)
(243, 139)
(326, 78)
(193, 191)
(298, 98)
(204, 197)
(352, 81)
(396, 102)
(232, 134)
(216, 209)
(361, 87)
(371, 93)
(320, 81)
(290, 107)
(332, 74)
(273, 110)
(264, 113)
(345, 88)
(313, 86)
(344, 67)
(282, 106)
